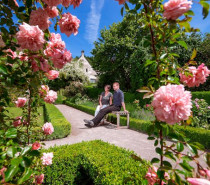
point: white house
(87, 68)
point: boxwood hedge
(62, 127)
(194, 134)
(94, 162)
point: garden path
(126, 138)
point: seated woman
(105, 99)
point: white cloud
(93, 20)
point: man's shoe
(89, 123)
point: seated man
(118, 102)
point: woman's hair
(108, 87)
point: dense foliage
(124, 47)
(94, 162)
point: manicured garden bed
(194, 134)
(94, 162)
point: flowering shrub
(171, 102)
(29, 54)
(200, 114)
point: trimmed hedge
(194, 134)
(62, 127)
(94, 162)
(93, 92)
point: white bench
(118, 114)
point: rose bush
(29, 55)
(172, 104)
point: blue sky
(97, 14)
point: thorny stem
(153, 41)
(29, 116)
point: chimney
(83, 53)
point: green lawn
(15, 112)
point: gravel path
(126, 138)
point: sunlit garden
(134, 109)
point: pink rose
(50, 97)
(75, 3)
(3, 174)
(69, 24)
(55, 43)
(198, 76)
(23, 56)
(152, 176)
(34, 66)
(30, 37)
(52, 74)
(53, 2)
(198, 181)
(176, 8)
(44, 66)
(40, 17)
(48, 128)
(11, 53)
(202, 73)
(52, 11)
(43, 90)
(60, 58)
(16, 4)
(20, 102)
(17, 121)
(39, 179)
(47, 158)
(36, 146)
(121, 1)
(172, 104)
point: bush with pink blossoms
(52, 74)
(50, 97)
(60, 58)
(47, 158)
(20, 102)
(40, 17)
(48, 128)
(69, 24)
(172, 104)
(44, 90)
(52, 11)
(173, 9)
(52, 2)
(39, 179)
(196, 76)
(30, 37)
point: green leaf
(193, 149)
(136, 158)
(156, 142)
(11, 151)
(25, 150)
(26, 175)
(183, 44)
(122, 10)
(205, 6)
(3, 70)
(151, 138)
(158, 150)
(10, 173)
(168, 164)
(11, 133)
(186, 166)
(16, 161)
(190, 12)
(170, 155)
(178, 178)
(180, 147)
(193, 54)
(126, 7)
(21, 9)
(155, 160)
(26, 162)
(149, 62)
